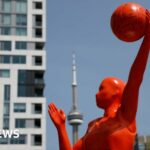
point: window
(37, 60)
(6, 123)
(21, 140)
(38, 5)
(21, 31)
(20, 45)
(6, 19)
(21, 20)
(22, 76)
(37, 108)
(21, 6)
(26, 90)
(6, 92)
(22, 91)
(39, 46)
(5, 73)
(38, 20)
(6, 6)
(5, 45)
(37, 123)
(38, 77)
(38, 33)
(37, 140)
(20, 123)
(3, 140)
(6, 109)
(19, 107)
(30, 83)
(5, 59)
(19, 59)
(38, 92)
(5, 31)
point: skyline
(84, 27)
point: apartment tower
(22, 68)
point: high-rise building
(22, 67)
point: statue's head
(110, 92)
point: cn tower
(75, 118)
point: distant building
(144, 142)
(22, 67)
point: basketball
(128, 22)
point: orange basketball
(128, 22)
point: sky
(83, 27)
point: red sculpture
(116, 130)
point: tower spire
(75, 118)
(74, 69)
(74, 83)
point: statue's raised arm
(130, 95)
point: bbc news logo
(9, 134)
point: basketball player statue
(116, 129)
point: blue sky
(83, 26)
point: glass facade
(7, 59)
(6, 110)
(13, 17)
(21, 31)
(6, 92)
(6, 123)
(19, 107)
(20, 45)
(6, 6)
(30, 83)
(20, 123)
(18, 59)
(5, 31)
(21, 20)
(4, 140)
(21, 140)
(4, 73)
(5, 45)
(6, 19)
(21, 6)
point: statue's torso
(109, 134)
